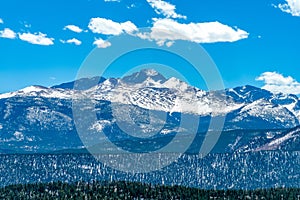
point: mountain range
(41, 119)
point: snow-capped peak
(150, 90)
(34, 88)
(39, 91)
(142, 76)
(175, 83)
(24, 91)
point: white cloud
(291, 6)
(165, 8)
(27, 25)
(169, 43)
(109, 27)
(165, 30)
(1, 21)
(100, 43)
(73, 28)
(8, 33)
(112, 0)
(131, 6)
(36, 38)
(72, 41)
(277, 83)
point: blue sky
(252, 42)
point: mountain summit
(143, 75)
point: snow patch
(33, 89)
(19, 136)
(151, 72)
(176, 84)
(100, 125)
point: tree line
(135, 190)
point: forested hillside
(134, 190)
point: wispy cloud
(109, 27)
(73, 28)
(72, 41)
(291, 6)
(1, 21)
(27, 25)
(164, 8)
(131, 6)
(277, 83)
(100, 43)
(165, 30)
(8, 33)
(112, 0)
(36, 38)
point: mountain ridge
(39, 118)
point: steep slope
(288, 141)
(262, 114)
(248, 94)
(36, 124)
(81, 84)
